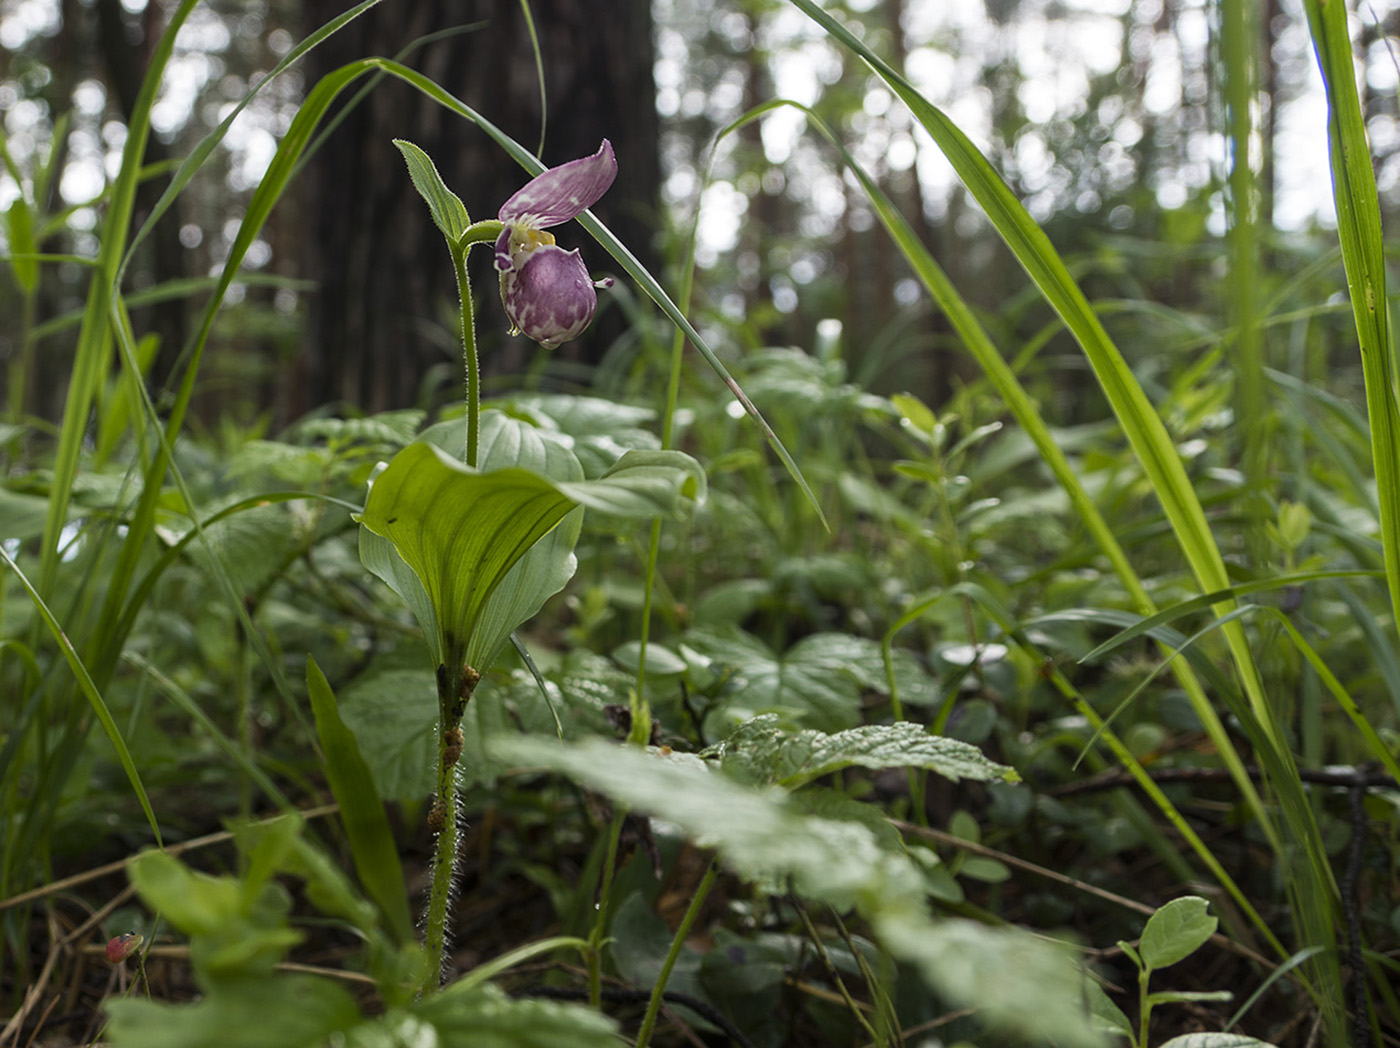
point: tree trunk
(383, 325)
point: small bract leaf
(448, 211)
(1176, 931)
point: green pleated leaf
(459, 532)
(448, 211)
(452, 535)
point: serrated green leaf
(761, 751)
(1176, 931)
(815, 683)
(195, 903)
(1216, 1040)
(389, 428)
(484, 1017)
(601, 430)
(393, 714)
(448, 211)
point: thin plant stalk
(478, 233)
(593, 955)
(692, 913)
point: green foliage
(1037, 989)
(1173, 933)
(761, 752)
(238, 931)
(452, 535)
(918, 762)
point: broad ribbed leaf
(459, 533)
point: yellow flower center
(523, 240)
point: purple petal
(550, 297)
(503, 249)
(562, 192)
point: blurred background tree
(1095, 110)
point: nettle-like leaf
(817, 683)
(1216, 1040)
(484, 1017)
(449, 536)
(1015, 981)
(760, 751)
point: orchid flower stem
(476, 233)
(697, 902)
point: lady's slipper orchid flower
(546, 291)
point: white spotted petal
(561, 193)
(551, 297)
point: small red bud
(123, 946)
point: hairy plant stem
(697, 901)
(456, 681)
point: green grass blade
(89, 689)
(1239, 45)
(1139, 420)
(94, 337)
(366, 825)
(1359, 229)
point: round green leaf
(1176, 931)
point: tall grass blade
(1359, 229)
(1139, 420)
(90, 692)
(1310, 881)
